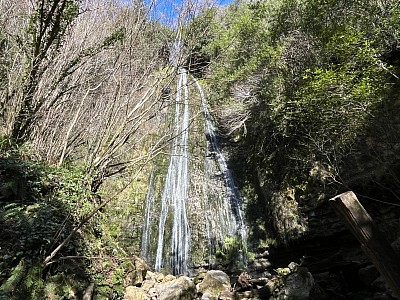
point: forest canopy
(307, 91)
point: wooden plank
(371, 239)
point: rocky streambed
(327, 263)
(294, 282)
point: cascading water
(214, 213)
(236, 226)
(175, 191)
(149, 204)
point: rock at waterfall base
(138, 275)
(215, 282)
(134, 293)
(298, 285)
(181, 288)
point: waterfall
(237, 227)
(149, 204)
(214, 213)
(180, 230)
(175, 191)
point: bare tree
(95, 73)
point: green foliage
(312, 77)
(25, 282)
(232, 253)
(15, 278)
(39, 205)
(239, 46)
(197, 37)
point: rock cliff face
(322, 244)
(291, 218)
(335, 257)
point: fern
(25, 282)
(15, 279)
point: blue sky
(168, 9)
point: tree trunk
(371, 239)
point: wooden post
(371, 239)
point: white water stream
(149, 204)
(175, 193)
(231, 205)
(220, 210)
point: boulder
(148, 284)
(160, 277)
(181, 288)
(368, 274)
(134, 278)
(259, 281)
(134, 293)
(138, 275)
(153, 293)
(140, 264)
(273, 285)
(214, 283)
(298, 285)
(150, 275)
